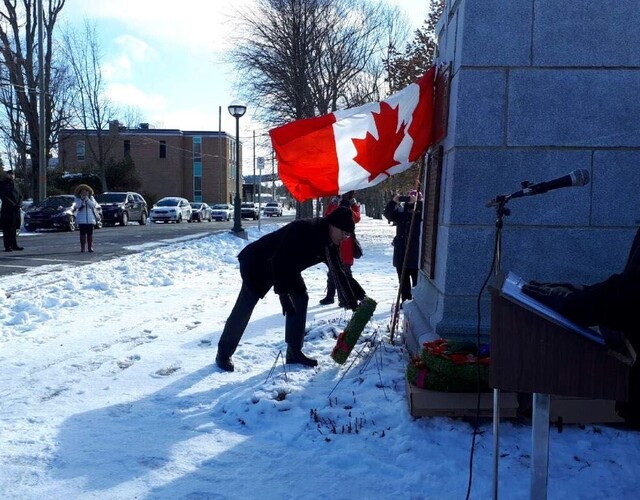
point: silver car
(171, 209)
(222, 211)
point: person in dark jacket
(277, 260)
(10, 212)
(400, 211)
(613, 306)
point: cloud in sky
(130, 94)
(196, 24)
(131, 51)
(166, 60)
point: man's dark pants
(241, 314)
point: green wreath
(450, 366)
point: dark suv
(122, 207)
(55, 212)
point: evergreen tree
(404, 68)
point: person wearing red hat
(347, 200)
(277, 260)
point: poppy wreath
(349, 337)
(450, 366)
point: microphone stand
(541, 402)
(502, 211)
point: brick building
(197, 165)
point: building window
(197, 168)
(197, 149)
(163, 149)
(80, 150)
(127, 148)
(197, 189)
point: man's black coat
(278, 259)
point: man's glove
(352, 304)
(287, 304)
(554, 295)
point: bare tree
(304, 58)
(19, 51)
(131, 116)
(404, 68)
(92, 110)
(300, 57)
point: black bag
(357, 248)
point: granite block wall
(539, 88)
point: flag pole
(403, 273)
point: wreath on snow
(450, 366)
(349, 337)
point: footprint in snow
(165, 372)
(125, 363)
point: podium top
(512, 289)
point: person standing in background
(86, 206)
(347, 200)
(400, 211)
(10, 211)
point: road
(46, 248)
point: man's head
(341, 224)
(346, 198)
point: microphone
(576, 178)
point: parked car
(123, 206)
(273, 209)
(171, 209)
(200, 212)
(222, 211)
(249, 210)
(55, 212)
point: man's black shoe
(224, 363)
(326, 301)
(18, 248)
(8, 249)
(297, 357)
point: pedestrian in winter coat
(347, 200)
(277, 260)
(10, 212)
(400, 211)
(86, 217)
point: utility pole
(42, 135)
(273, 176)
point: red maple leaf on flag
(376, 155)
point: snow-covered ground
(108, 391)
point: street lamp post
(237, 110)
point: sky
(108, 390)
(166, 59)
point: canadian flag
(356, 148)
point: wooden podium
(536, 350)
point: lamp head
(236, 109)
